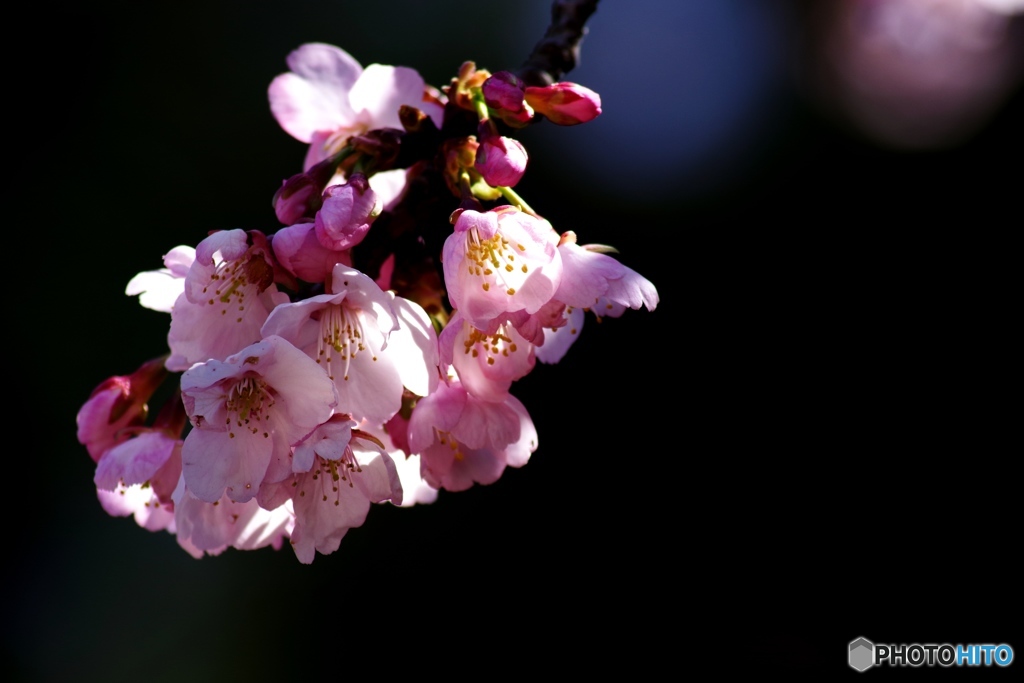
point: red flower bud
(565, 104)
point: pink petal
(314, 96)
(382, 90)
(300, 252)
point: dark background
(808, 441)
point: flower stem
(514, 198)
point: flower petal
(314, 96)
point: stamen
(444, 437)
(492, 261)
(495, 345)
(341, 331)
(231, 286)
(249, 401)
(324, 480)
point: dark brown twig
(558, 51)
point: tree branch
(558, 51)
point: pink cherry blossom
(391, 186)
(592, 274)
(159, 289)
(531, 326)
(140, 503)
(464, 440)
(338, 473)
(138, 477)
(347, 333)
(229, 291)
(153, 458)
(486, 362)
(414, 347)
(592, 282)
(309, 390)
(500, 261)
(416, 490)
(247, 411)
(211, 528)
(395, 438)
(559, 338)
(327, 96)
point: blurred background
(807, 442)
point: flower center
(341, 338)
(339, 138)
(248, 406)
(232, 285)
(492, 346)
(494, 261)
(324, 480)
(446, 439)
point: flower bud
(503, 94)
(346, 215)
(118, 404)
(300, 195)
(499, 159)
(565, 104)
(503, 90)
(459, 156)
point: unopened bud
(500, 160)
(503, 90)
(117, 404)
(565, 104)
(346, 215)
(300, 196)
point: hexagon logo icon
(862, 654)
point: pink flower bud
(565, 104)
(503, 90)
(294, 198)
(503, 94)
(500, 160)
(300, 196)
(347, 213)
(118, 404)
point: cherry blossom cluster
(363, 350)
